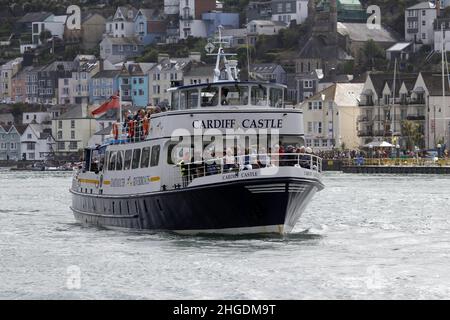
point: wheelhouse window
(145, 157)
(234, 95)
(119, 160)
(112, 161)
(259, 96)
(128, 154)
(189, 99)
(155, 156)
(175, 101)
(136, 158)
(276, 97)
(210, 96)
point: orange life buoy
(131, 128)
(115, 131)
(145, 125)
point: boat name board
(232, 124)
(237, 175)
(132, 181)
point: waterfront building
(36, 142)
(120, 49)
(7, 72)
(382, 117)
(10, 142)
(72, 130)
(330, 117)
(435, 106)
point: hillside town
(357, 83)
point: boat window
(175, 102)
(145, 157)
(234, 95)
(189, 99)
(136, 158)
(112, 161)
(259, 96)
(276, 97)
(119, 160)
(127, 160)
(176, 153)
(155, 156)
(210, 96)
(107, 159)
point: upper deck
(228, 95)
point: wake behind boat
(224, 158)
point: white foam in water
(367, 237)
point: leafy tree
(411, 130)
(44, 35)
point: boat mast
(230, 65)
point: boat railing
(185, 173)
(130, 131)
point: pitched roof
(360, 32)
(59, 65)
(433, 82)
(400, 46)
(106, 74)
(34, 17)
(343, 94)
(75, 112)
(264, 67)
(422, 5)
(379, 80)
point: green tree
(44, 35)
(411, 131)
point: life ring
(115, 131)
(130, 128)
(145, 125)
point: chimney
(438, 8)
(195, 56)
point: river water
(362, 237)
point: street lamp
(439, 150)
(370, 151)
(397, 148)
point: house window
(72, 124)
(310, 126)
(121, 48)
(424, 23)
(72, 134)
(307, 84)
(280, 7)
(135, 48)
(61, 145)
(141, 80)
(288, 7)
(73, 145)
(308, 142)
(423, 12)
(424, 35)
(59, 124)
(59, 134)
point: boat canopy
(228, 93)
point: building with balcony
(385, 107)
(289, 10)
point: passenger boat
(220, 159)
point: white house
(36, 117)
(419, 23)
(330, 117)
(289, 10)
(36, 142)
(256, 28)
(122, 23)
(54, 24)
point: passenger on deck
(224, 99)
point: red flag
(112, 103)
